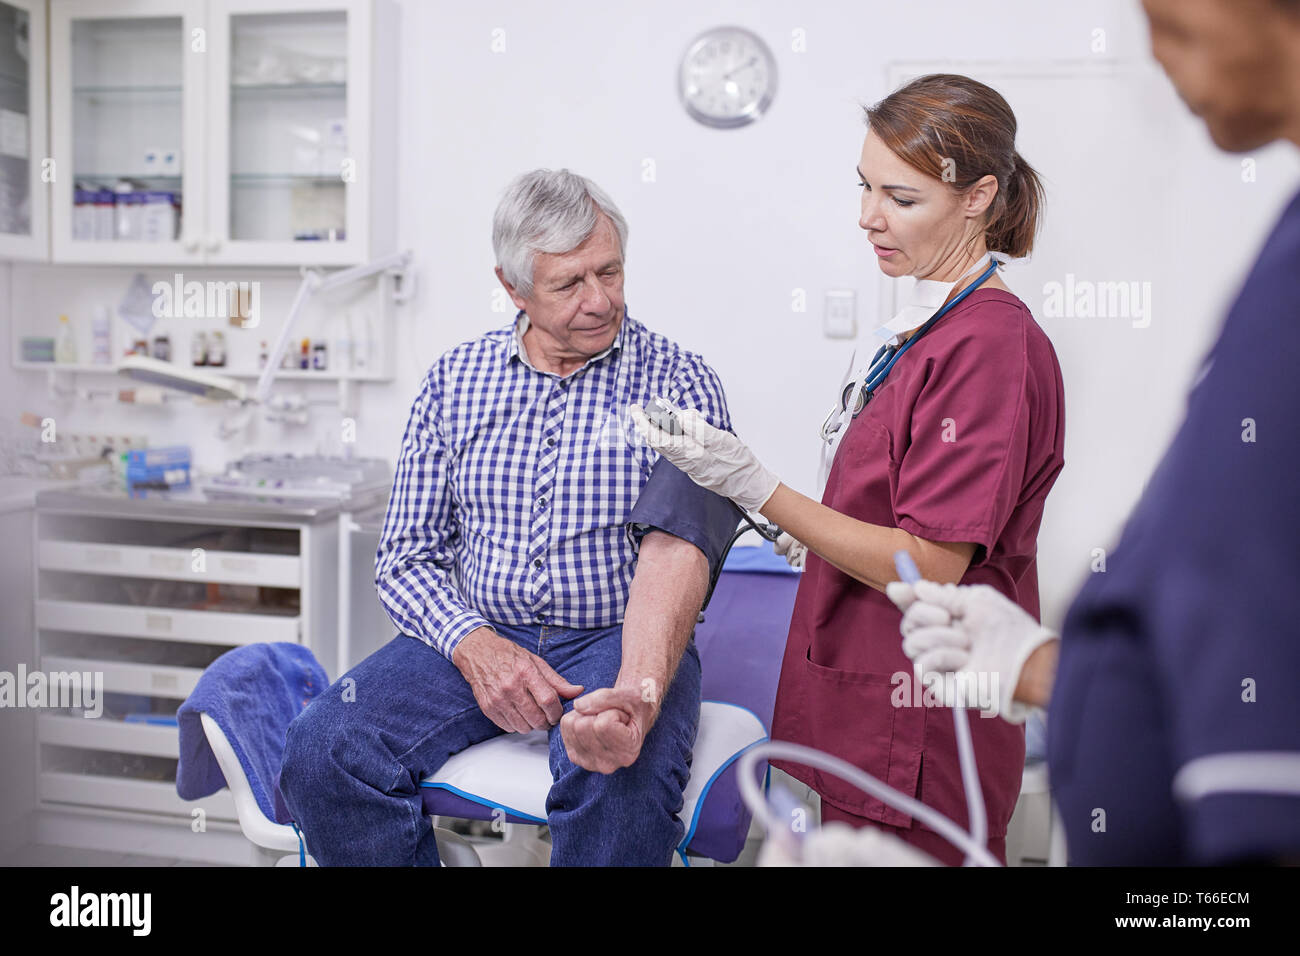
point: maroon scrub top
(962, 442)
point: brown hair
(959, 130)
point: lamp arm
(313, 282)
(309, 281)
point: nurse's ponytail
(1012, 229)
(960, 130)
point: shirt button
(537, 563)
(541, 502)
(550, 441)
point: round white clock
(727, 77)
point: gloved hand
(964, 632)
(712, 458)
(794, 550)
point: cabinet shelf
(126, 89)
(287, 90)
(143, 176)
(288, 374)
(278, 179)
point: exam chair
(741, 642)
(232, 733)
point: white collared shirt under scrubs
(514, 485)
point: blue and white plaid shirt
(514, 486)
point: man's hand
(518, 691)
(606, 728)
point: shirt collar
(516, 349)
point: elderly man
(516, 567)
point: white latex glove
(838, 844)
(794, 550)
(712, 458)
(964, 633)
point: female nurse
(1174, 690)
(947, 448)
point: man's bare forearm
(671, 578)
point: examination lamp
(205, 384)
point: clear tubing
(976, 853)
(970, 780)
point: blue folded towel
(253, 693)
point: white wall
(734, 221)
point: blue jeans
(352, 767)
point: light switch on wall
(840, 317)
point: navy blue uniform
(1174, 728)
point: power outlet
(840, 316)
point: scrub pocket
(851, 714)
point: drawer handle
(163, 681)
(238, 564)
(167, 562)
(158, 622)
(103, 556)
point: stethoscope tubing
(876, 376)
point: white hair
(551, 211)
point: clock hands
(744, 66)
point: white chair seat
(512, 772)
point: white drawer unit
(143, 594)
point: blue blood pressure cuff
(672, 503)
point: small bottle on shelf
(101, 327)
(65, 346)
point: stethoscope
(886, 357)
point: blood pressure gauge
(662, 414)
(727, 78)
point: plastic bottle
(65, 346)
(343, 345)
(361, 345)
(102, 330)
(217, 348)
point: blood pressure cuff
(671, 502)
